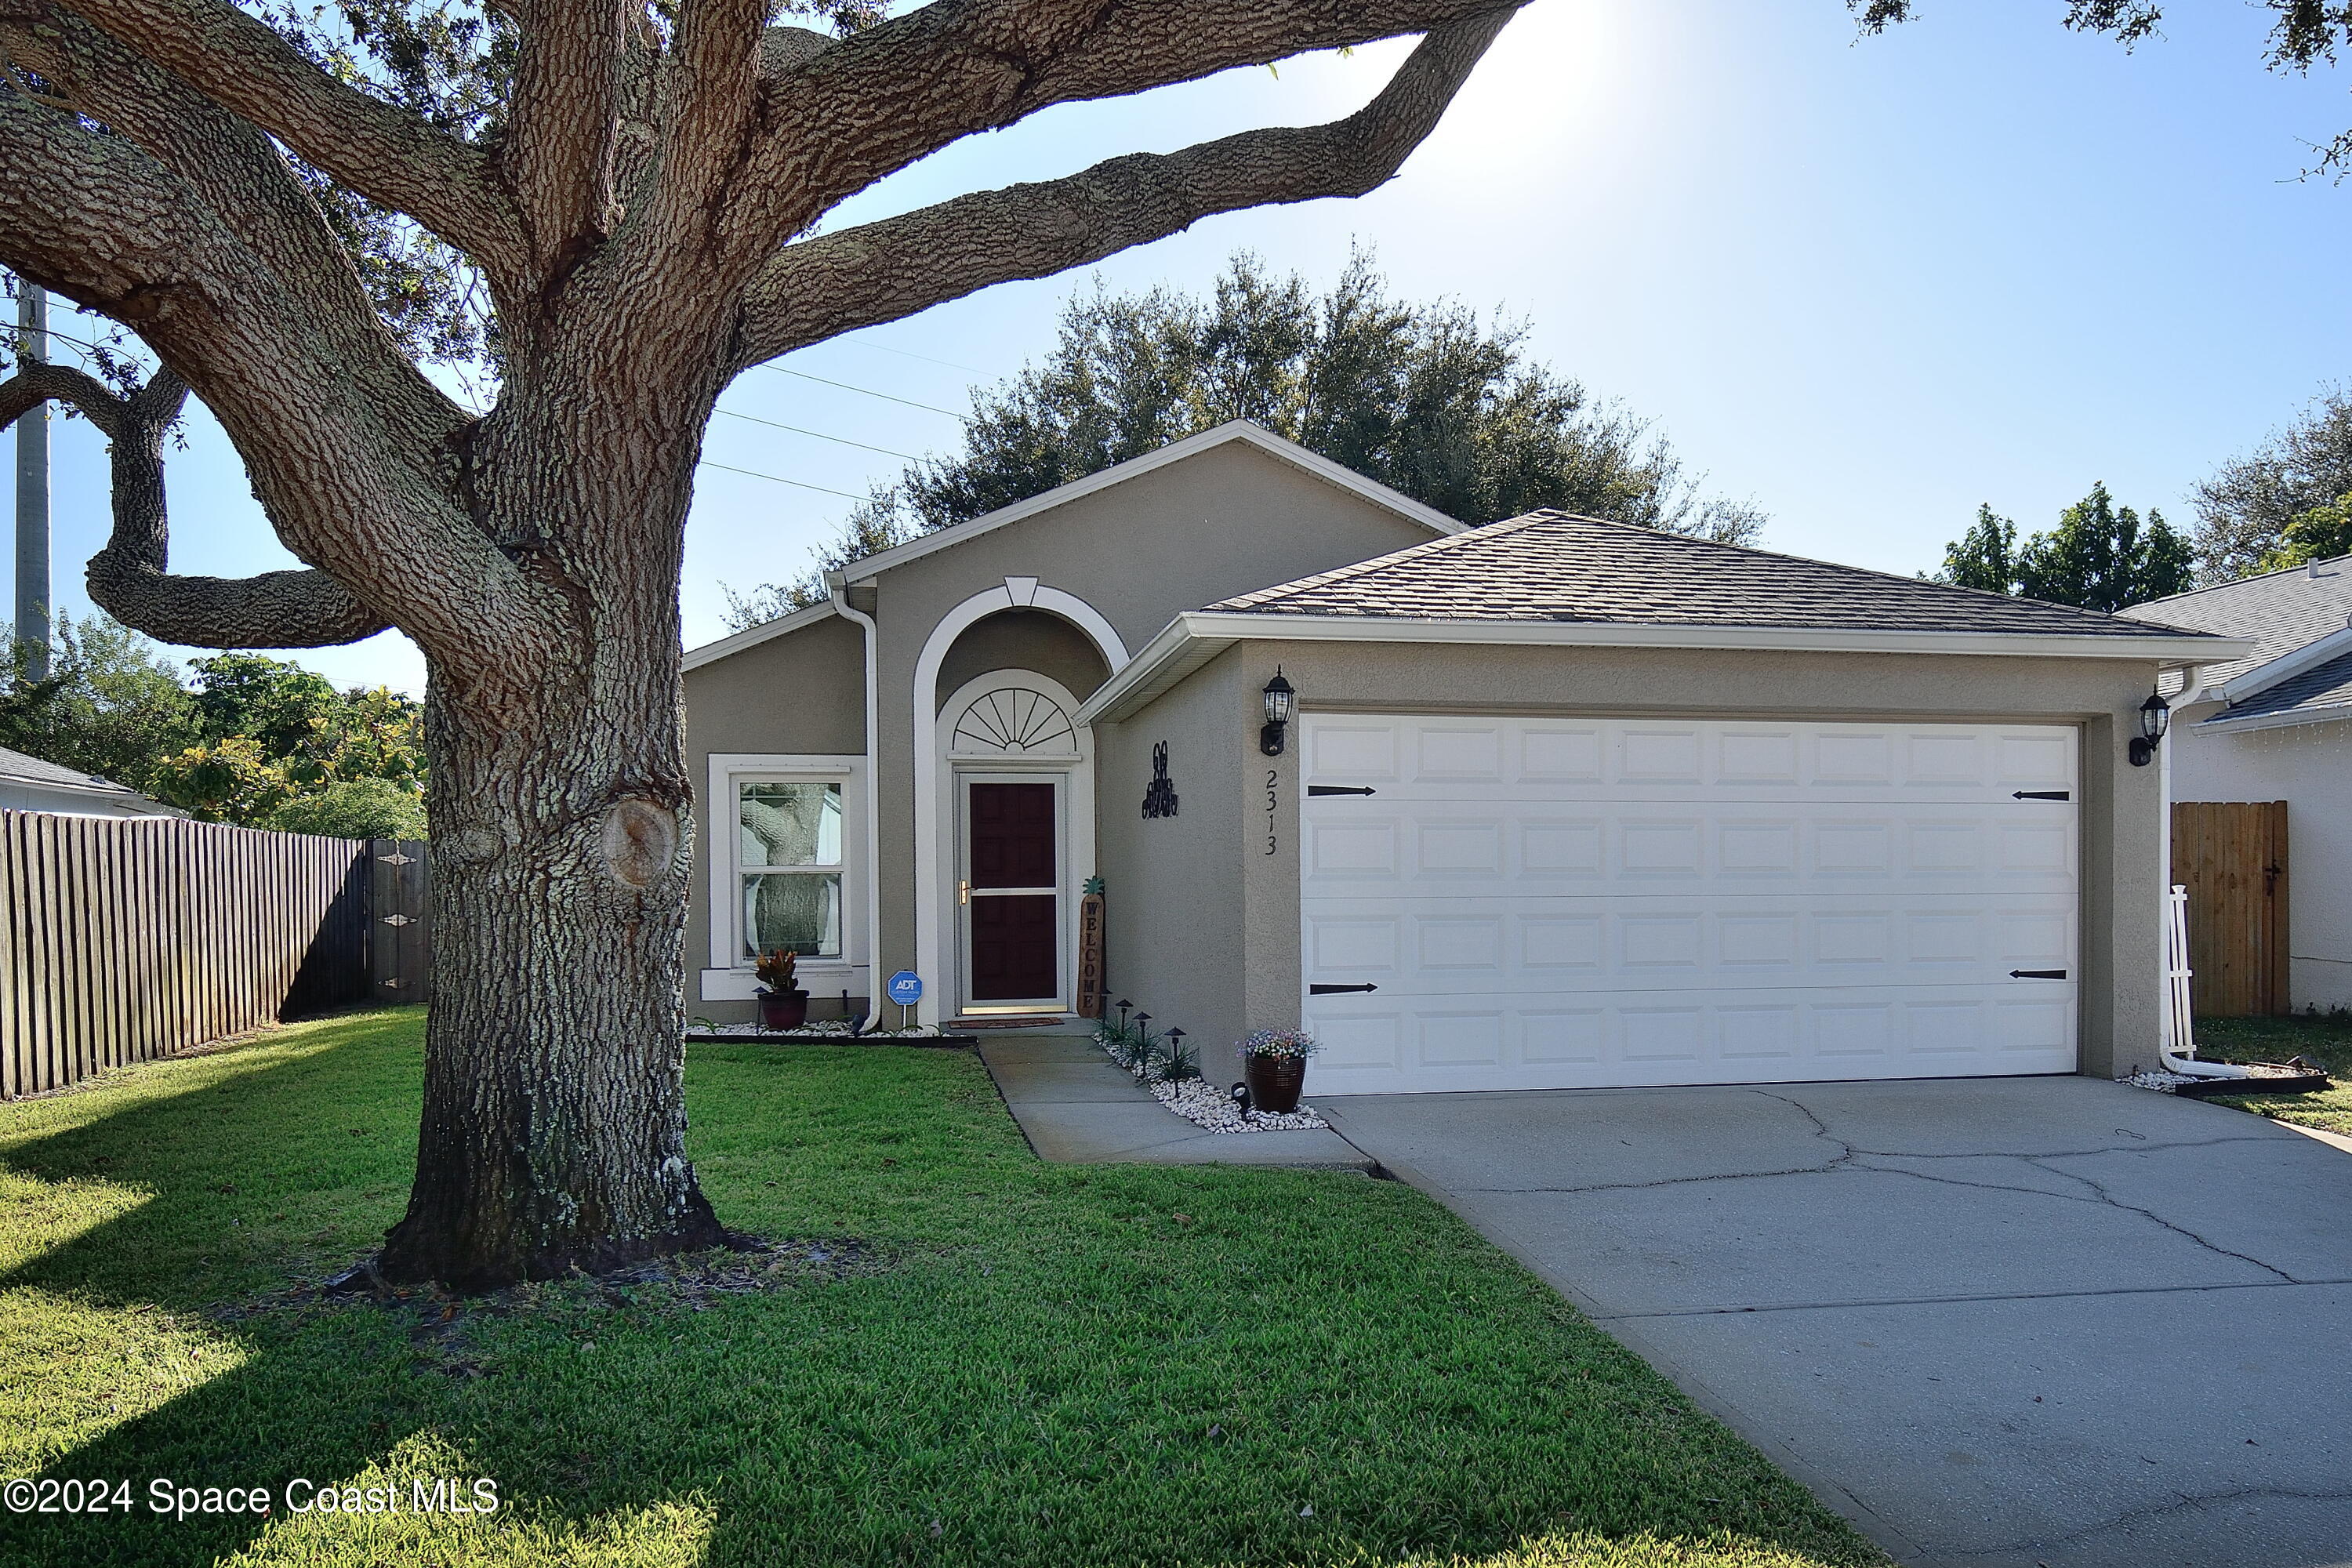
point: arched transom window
(1012, 720)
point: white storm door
(1549, 903)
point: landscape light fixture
(2155, 719)
(1279, 695)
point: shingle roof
(2315, 692)
(2280, 611)
(1555, 566)
(33, 770)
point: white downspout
(874, 975)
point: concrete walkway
(1999, 1323)
(1076, 1105)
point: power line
(773, 479)
(909, 354)
(818, 434)
(887, 397)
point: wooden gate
(2232, 857)
(400, 954)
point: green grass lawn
(1043, 1365)
(2326, 1041)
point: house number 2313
(1272, 801)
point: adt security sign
(905, 988)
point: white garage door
(1544, 903)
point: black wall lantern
(1279, 694)
(2155, 719)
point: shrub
(353, 808)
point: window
(788, 859)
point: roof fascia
(1193, 638)
(752, 637)
(2286, 666)
(2284, 719)
(1242, 430)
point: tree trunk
(554, 1127)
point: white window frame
(729, 977)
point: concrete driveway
(2001, 1321)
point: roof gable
(1242, 430)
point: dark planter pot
(1274, 1082)
(783, 1009)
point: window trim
(729, 978)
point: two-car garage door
(1549, 903)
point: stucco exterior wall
(1176, 941)
(1023, 639)
(803, 694)
(2122, 807)
(1224, 522)
(2309, 766)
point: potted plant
(783, 1003)
(1274, 1063)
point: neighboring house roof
(2279, 611)
(1553, 577)
(2299, 622)
(1241, 430)
(1555, 566)
(16, 767)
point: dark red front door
(1015, 936)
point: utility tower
(33, 489)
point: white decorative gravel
(1200, 1101)
(2159, 1080)
(752, 1031)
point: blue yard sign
(905, 988)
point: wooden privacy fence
(124, 938)
(2232, 857)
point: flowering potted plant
(1274, 1063)
(783, 1003)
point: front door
(1012, 895)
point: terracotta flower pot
(1274, 1082)
(783, 1009)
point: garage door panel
(1494, 944)
(1436, 758)
(1579, 1039)
(1558, 903)
(1360, 849)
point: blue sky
(1868, 282)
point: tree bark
(553, 1134)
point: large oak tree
(638, 186)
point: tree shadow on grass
(1118, 1365)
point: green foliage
(2322, 533)
(269, 732)
(354, 808)
(112, 706)
(1984, 557)
(1042, 1366)
(255, 735)
(2100, 556)
(1426, 398)
(2245, 509)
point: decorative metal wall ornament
(1160, 795)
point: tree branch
(349, 484)
(384, 152)
(129, 578)
(985, 65)
(561, 126)
(883, 270)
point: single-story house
(1560, 802)
(28, 783)
(2275, 724)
